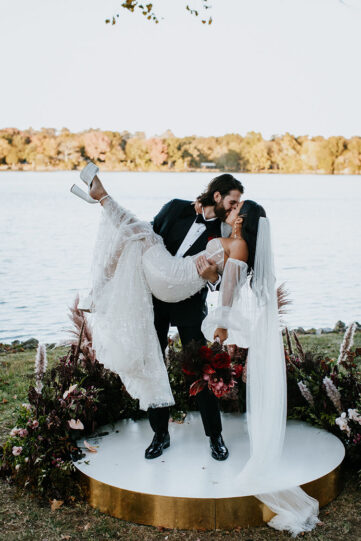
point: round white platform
(186, 469)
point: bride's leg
(97, 190)
(116, 212)
(126, 227)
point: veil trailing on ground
(266, 372)
(248, 309)
(267, 398)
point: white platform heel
(83, 195)
(88, 173)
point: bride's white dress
(130, 264)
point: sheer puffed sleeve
(232, 311)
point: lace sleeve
(223, 316)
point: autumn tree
(150, 12)
(47, 149)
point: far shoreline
(170, 171)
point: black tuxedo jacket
(173, 223)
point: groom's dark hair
(222, 184)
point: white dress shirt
(195, 231)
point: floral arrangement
(67, 402)
(77, 395)
(327, 392)
(208, 367)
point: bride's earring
(237, 226)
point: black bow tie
(211, 225)
(207, 223)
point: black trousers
(208, 404)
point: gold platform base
(196, 513)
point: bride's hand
(222, 334)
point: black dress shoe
(160, 441)
(219, 450)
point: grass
(23, 517)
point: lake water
(47, 237)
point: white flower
(14, 431)
(354, 416)
(69, 391)
(16, 450)
(76, 424)
(342, 422)
(41, 364)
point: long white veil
(267, 398)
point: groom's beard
(220, 212)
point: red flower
(188, 372)
(208, 369)
(218, 387)
(221, 360)
(237, 370)
(206, 353)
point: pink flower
(306, 393)
(35, 424)
(23, 432)
(333, 393)
(14, 431)
(17, 450)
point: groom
(186, 229)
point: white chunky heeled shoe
(83, 195)
(87, 174)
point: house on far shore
(208, 165)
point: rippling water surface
(47, 237)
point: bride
(131, 263)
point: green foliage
(114, 151)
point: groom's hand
(207, 269)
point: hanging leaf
(197, 387)
(55, 504)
